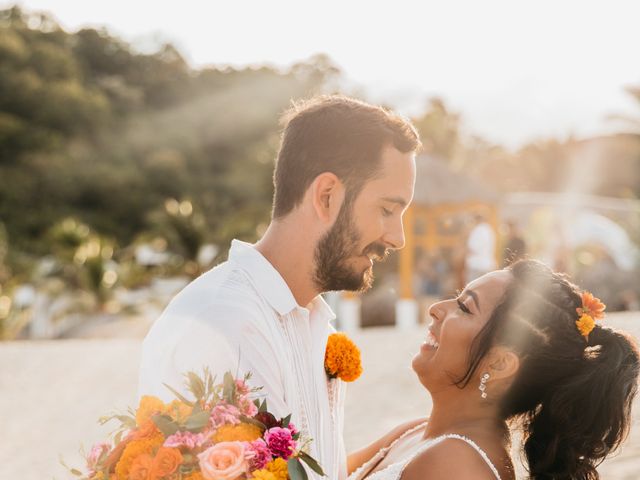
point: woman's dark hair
(574, 395)
(337, 134)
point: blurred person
(344, 177)
(481, 249)
(518, 345)
(515, 247)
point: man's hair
(334, 134)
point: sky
(516, 71)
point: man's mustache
(377, 251)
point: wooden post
(407, 256)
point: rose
(223, 461)
(141, 467)
(166, 461)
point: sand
(53, 392)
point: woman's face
(444, 356)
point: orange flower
(133, 450)
(141, 467)
(243, 432)
(342, 358)
(166, 461)
(591, 306)
(585, 325)
(148, 407)
(147, 430)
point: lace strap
(472, 444)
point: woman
(517, 345)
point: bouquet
(222, 434)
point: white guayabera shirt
(241, 316)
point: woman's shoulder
(451, 456)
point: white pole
(406, 313)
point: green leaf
(229, 391)
(312, 463)
(296, 470)
(166, 424)
(196, 385)
(197, 422)
(77, 473)
(179, 396)
(263, 407)
(285, 421)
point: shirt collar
(270, 283)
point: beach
(53, 393)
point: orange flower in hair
(342, 358)
(591, 306)
(592, 309)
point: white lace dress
(394, 471)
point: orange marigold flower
(135, 449)
(166, 461)
(263, 474)
(242, 432)
(585, 325)
(591, 306)
(141, 467)
(148, 407)
(147, 430)
(342, 358)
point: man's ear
(502, 363)
(327, 195)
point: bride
(517, 346)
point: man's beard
(333, 252)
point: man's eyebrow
(399, 200)
(474, 297)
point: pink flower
(224, 414)
(223, 461)
(185, 439)
(280, 442)
(258, 454)
(247, 407)
(241, 387)
(293, 429)
(96, 452)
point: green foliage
(92, 129)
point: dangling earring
(483, 385)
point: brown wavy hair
(572, 396)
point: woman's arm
(363, 455)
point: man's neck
(290, 250)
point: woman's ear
(502, 363)
(327, 195)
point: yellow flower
(193, 476)
(342, 358)
(585, 325)
(243, 432)
(148, 407)
(278, 468)
(263, 475)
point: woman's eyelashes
(462, 306)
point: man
(344, 176)
(481, 249)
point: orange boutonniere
(592, 309)
(342, 358)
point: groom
(344, 176)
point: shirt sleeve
(227, 339)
